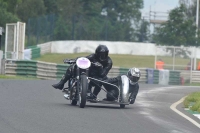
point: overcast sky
(159, 5)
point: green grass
(193, 84)
(119, 60)
(193, 100)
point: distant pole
(1, 31)
(197, 17)
(0, 42)
(73, 26)
(197, 25)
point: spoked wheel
(83, 91)
(122, 105)
(73, 101)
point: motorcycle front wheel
(83, 91)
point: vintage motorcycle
(77, 90)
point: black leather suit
(133, 89)
(100, 67)
(98, 73)
(95, 72)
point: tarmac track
(33, 106)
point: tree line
(111, 20)
(180, 29)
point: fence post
(0, 61)
(3, 66)
(1, 31)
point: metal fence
(183, 59)
(40, 30)
(176, 58)
(44, 70)
(52, 27)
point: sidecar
(121, 99)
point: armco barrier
(45, 70)
(164, 77)
(45, 48)
(196, 76)
(174, 78)
(156, 76)
(36, 51)
(32, 52)
(61, 69)
(150, 75)
(37, 69)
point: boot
(132, 98)
(93, 96)
(60, 85)
(96, 91)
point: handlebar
(72, 61)
(69, 61)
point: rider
(101, 56)
(133, 76)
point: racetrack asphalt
(33, 106)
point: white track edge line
(173, 107)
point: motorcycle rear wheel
(83, 91)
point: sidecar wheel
(122, 105)
(73, 102)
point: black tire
(73, 102)
(122, 105)
(83, 91)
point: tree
(111, 20)
(51, 6)
(178, 30)
(125, 16)
(142, 33)
(6, 17)
(68, 12)
(190, 8)
(12, 5)
(30, 8)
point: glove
(65, 60)
(97, 64)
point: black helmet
(101, 52)
(133, 75)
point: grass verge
(192, 101)
(120, 60)
(193, 84)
